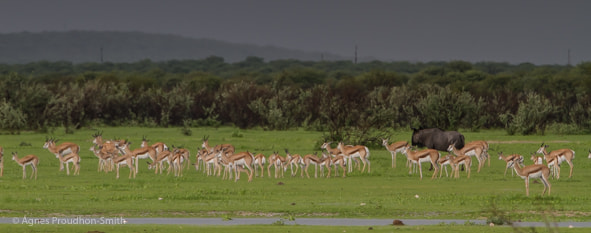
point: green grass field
(385, 193)
(274, 229)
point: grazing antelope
(418, 157)
(61, 150)
(27, 160)
(533, 171)
(394, 148)
(509, 159)
(259, 162)
(359, 151)
(562, 154)
(139, 153)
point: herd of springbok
(479, 150)
(112, 154)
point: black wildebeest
(436, 138)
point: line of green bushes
(336, 97)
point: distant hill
(85, 46)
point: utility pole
(355, 62)
(568, 57)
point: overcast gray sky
(540, 32)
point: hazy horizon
(415, 31)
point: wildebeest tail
(460, 144)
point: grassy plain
(274, 229)
(385, 193)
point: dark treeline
(348, 100)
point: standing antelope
(1, 161)
(158, 146)
(176, 162)
(536, 159)
(335, 152)
(27, 160)
(509, 160)
(73, 158)
(394, 148)
(418, 157)
(109, 146)
(127, 160)
(244, 159)
(533, 171)
(259, 162)
(342, 162)
(445, 161)
(470, 149)
(294, 160)
(105, 160)
(484, 145)
(210, 160)
(313, 159)
(162, 157)
(63, 149)
(562, 154)
(185, 155)
(139, 153)
(359, 151)
(227, 148)
(459, 160)
(277, 161)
